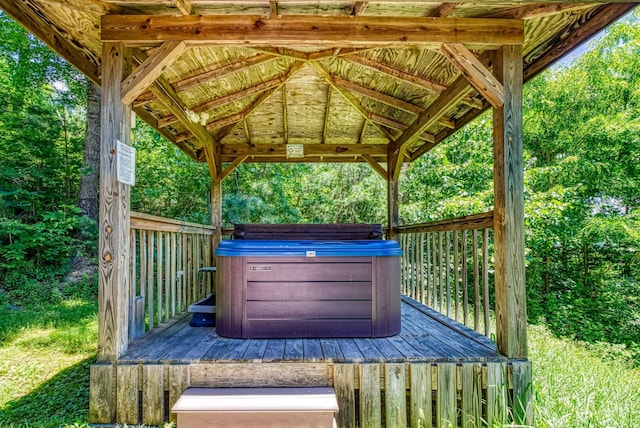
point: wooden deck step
(256, 407)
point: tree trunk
(88, 199)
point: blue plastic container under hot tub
(305, 288)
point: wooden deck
(426, 336)
(436, 372)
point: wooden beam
(184, 6)
(508, 172)
(398, 74)
(443, 10)
(386, 99)
(458, 90)
(211, 162)
(342, 150)
(604, 16)
(390, 123)
(233, 165)
(350, 98)
(114, 246)
(325, 125)
(79, 56)
(306, 159)
(208, 76)
(151, 121)
(229, 98)
(258, 102)
(150, 70)
(538, 10)
(329, 31)
(376, 166)
(475, 72)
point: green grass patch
(45, 354)
(574, 387)
(46, 351)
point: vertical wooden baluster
(465, 285)
(133, 281)
(447, 265)
(159, 278)
(440, 271)
(167, 275)
(414, 265)
(150, 282)
(174, 273)
(434, 254)
(143, 266)
(403, 264)
(456, 274)
(421, 267)
(485, 280)
(476, 281)
(428, 276)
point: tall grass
(574, 387)
(45, 353)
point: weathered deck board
(426, 336)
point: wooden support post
(215, 171)
(392, 194)
(113, 289)
(511, 311)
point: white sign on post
(126, 164)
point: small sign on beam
(126, 164)
(295, 151)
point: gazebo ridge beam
(348, 32)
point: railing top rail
(151, 222)
(469, 222)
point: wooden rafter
(359, 7)
(398, 74)
(385, 99)
(233, 165)
(350, 98)
(539, 10)
(475, 72)
(329, 31)
(325, 126)
(208, 76)
(376, 166)
(454, 93)
(55, 40)
(444, 9)
(184, 6)
(393, 124)
(152, 67)
(597, 21)
(285, 114)
(229, 98)
(258, 102)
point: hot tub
(285, 289)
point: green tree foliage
(41, 132)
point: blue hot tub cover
(308, 248)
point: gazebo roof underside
(350, 81)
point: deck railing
(447, 265)
(166, 256)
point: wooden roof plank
(475, 72)
(537, 10)
(75, 54)
(398, 74)
(329, 31)
(152, 67)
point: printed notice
(126, 163)
(295, 151)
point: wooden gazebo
(380, 82)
